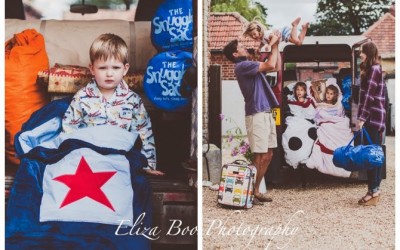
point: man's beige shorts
(261, 131)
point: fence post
(214, 105)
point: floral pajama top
(124, 109)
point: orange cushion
(25, 56)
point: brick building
(382, 33)
(222, 28)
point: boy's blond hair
(254, 25)
(108, 46)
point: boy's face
(108, 73)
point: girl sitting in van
(333, 131)
(300, 104)
(299, 135)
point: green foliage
(236, 140)
(345, 17)
(247, 8)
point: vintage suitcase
(237, 185)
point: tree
(345, 17)
(247, 8)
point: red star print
(85, 183)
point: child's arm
(73, 117)
(142, 124)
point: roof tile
(383, 34)
(226, 26)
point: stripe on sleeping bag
(305, 104)
(323, 148)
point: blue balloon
(172, 26)
(163, 78)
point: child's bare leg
(303, 32)
(293, 34)
(296, 21)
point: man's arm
(271, 64)
(272, 40)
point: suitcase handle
(240, 162)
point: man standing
(259, 102)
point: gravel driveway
(324, 215)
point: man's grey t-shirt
(257, 93)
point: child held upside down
(107, 100)
(259, 32)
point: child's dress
(285, 34)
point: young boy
(107, 100)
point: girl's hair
(300, 85)
(108, 46)
(335, 92)
(254, 25)
(372, 58)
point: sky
(283, 12)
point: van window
(357, 63)
(308, 71)
(60, 9)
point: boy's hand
(154, 172)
